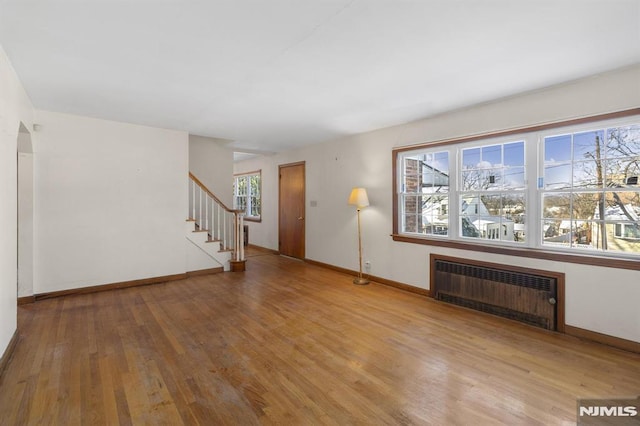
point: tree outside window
(591, 198)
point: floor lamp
(359, 199)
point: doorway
(291, 207)
(25, 215)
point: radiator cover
(514, 293)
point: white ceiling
(275, 74)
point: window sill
(608, 262)
(252, 219)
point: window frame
(533, 247)
(249, 195)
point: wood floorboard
(286, 342)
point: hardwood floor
(291, 343)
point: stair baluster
(222, 224)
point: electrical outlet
(367, 265)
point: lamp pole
(359, 199)
(359, 280)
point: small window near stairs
(247, 194)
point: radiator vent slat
(497, 275)
(495, 310)
(521, 294)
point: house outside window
(492, 191)
(247, 193)
(425, 195)
(573, 189)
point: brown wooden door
(292, 213)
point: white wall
(15, 108)
(111, 202)
(334, 167)
(212, 163)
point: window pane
(623, 206)
(441, 162)
(468, 228)
(412, 175)
(469, 205)
(412, 205)
(514, 154)
(492, 205)
(556, 233)
(623, 142)
(435, 219)
(255, 185)
(241, 185)
(583, 233)
(623, 156)
(255, 207)
(491, 156)
(556, 206)
(588, 145)
(622, 172)
(412, 223)
(241, 203)
(514, 209)
(557, 176)
(488, 221)
(471, 180)
(585, 206)
(557, 149)
(514, 178)
(470, 158)
(470, 211)
(587, 174)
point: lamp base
(360, 281)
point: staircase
(214, 232)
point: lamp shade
(359, 198)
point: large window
(492, 192)
(589, 188)
(247, 195)
(571, 188)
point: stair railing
(222, 223)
